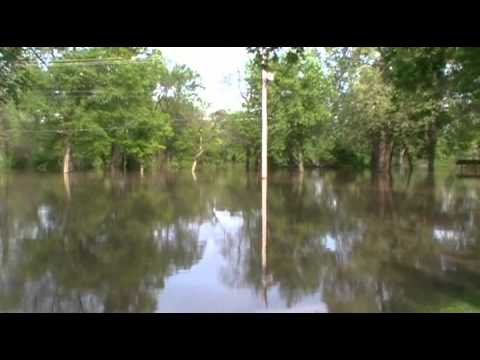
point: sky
(219, 69)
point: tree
(177, 96)
(373, 108)
(299, 102)
(371, 116)
(262, 56)
(199, 140)
(301, 97)
(422, 70)
(99, 112)
(12, 61)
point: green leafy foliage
(123, 107)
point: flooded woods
(332, 240)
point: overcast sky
(219, 69)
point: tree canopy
(125, 108)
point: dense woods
(123, 108)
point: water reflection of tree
(239, 195)
(357, 243)
(106, 249)
(386, 255)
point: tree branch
(38, 56)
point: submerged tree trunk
(409, 160)
(116, 157)
(196, 157)
(402, 157)
(431, 140)
(66, 158)
(5, 224)
(382, 178)
(383, 193)
(194, 165)
(298, 182)
(382, 148)
(257, 162)
(405, 161)
(300, 162)
(373, 157)
(66, 181)
(6, 152)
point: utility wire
(96, 62)
(122, 127)
(94, 92)
(74, 130)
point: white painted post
(266, 76)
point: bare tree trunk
(66, 158)
(6, 152)
(383, 193)
(431, 139)
(409, 160)
(406, 162)
(141, 169)
(66, 181)
(195, 158)
(299, 182)
(194, 166)
(116, 159)
(256, 161)
(4, 225)
(373, 154)
(402, 157)
(382, 154)
(300, 162)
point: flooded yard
(336, 242)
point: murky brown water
(336, 242)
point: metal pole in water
(264, 225)
(264, 168)
(266, 76)
(264, 241)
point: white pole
(264, 225)
(266, 76)
(264, 169)
(264, 124)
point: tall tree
(422, 71)
(299, 99)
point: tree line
(123, 108)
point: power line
(100, 128)
(91, 92)
(88, 62)
(90, 59)
(124, 127)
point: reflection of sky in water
(44, 216)
(227, 220)
(200, 289)
(445, 235)
(330, 243)
(340, 241)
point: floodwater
(336, 242)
